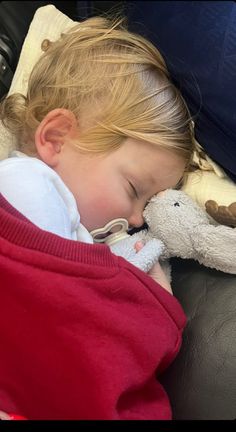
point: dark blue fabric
(198, 42)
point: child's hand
(158, 275)
(143, 253)
(156, 272)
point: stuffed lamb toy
(179, 227)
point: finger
(139, 245)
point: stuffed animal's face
(172, 216)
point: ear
(57, 128)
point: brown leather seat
(201, 383)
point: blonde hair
(114, 81)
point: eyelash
(179, 184)
(134, 190)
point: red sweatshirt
(83, 333)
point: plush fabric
(195, 235)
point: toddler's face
(119, 184)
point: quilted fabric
(48, 23)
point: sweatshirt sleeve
(168, 308)
(86, 335)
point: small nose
(136, 220)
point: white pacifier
(112, 232)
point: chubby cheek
(102, 212)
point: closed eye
(179, 184)
(134, 189)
